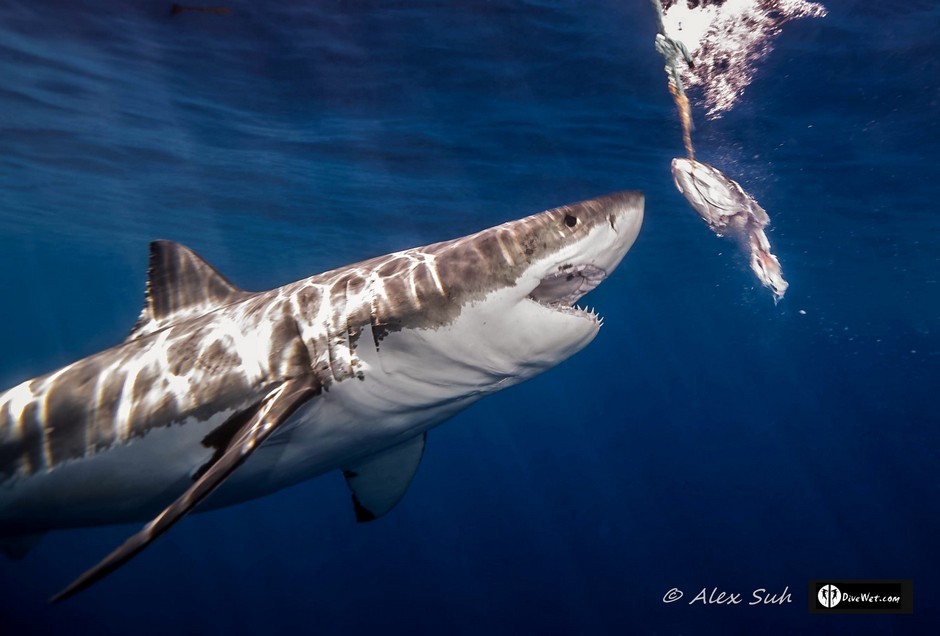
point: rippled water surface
(707, 438)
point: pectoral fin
(274, 410)
(380, 481)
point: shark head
(501, 305)
(569, 252)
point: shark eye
(570, 221)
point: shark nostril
(570, 221)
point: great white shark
(236, 394)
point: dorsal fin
(180, 285)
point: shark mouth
(562, 290)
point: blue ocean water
(707, 438)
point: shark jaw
(581, 264)
(537, 322)
(561, 291)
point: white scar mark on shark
(45, 432)
(17, 399)
(179, 386)
(248, 350)
(413, 268)
(42, 402)
(101, 384)
(430, 261)
(125, 401)
(504, 250)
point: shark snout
(624, 212)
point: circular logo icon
(829, 596)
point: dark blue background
(706, 438)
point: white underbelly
(134, 481)
(401, 396)
(123, 483)
(405, 391)
(354, 420)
